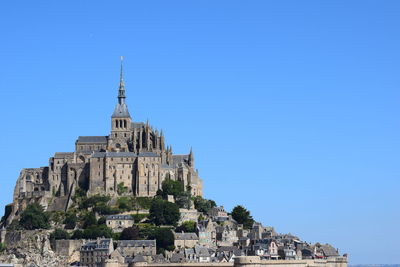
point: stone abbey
(132, 156)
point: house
(119, 222)
(207, 233)
(226, 235)
(228, 253)
(177, 258)
(273, 250)
(218, 214)
(202, 254)
(325, 251)
(133, 248)
(92, 253)
(185, 240)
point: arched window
(116, 124)
(124, 123)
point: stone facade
(94, 253)
(119, 222)
(133, 156)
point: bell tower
(120, 120)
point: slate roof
(136, 243)
(186, 236)
(92, 140)
(114, 155)
(63, 155)
(119, 217)
(97, 245)
(202, 251)
(121, 111)
(137, 124)
(177, 257)
(329, 251)
(148, 154)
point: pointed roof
(121, 109)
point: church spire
(121, 90)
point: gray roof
(179, 158)
(177, 257)
(97, 245)
(148, 154)
(202, 251)
(329, 251)
(121, 111)
(186, 236)
(114, 155)
(119, 217)
(92, 140)
(136, 243)
(137, 124)
(63, 155)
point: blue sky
(291, 107)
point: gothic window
(124, 123)
(116, 124)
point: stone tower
(120, 121)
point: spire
(191, 158)
(121, 90)
(121, 110)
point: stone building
(93, 253)
(119, 222)
(185, 240)
(132, 156)
(133, 248)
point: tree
(89, 220)
(70, 221)
(124, 203)
(187, 227)
(34, 217)
(242, 216)
(171, 187)
(59, 234)
(95, 231)
(164, 239)
(121, 188)
(130, 233)
(163, 212)
(183, 200)
(204, 205)
(78, 234)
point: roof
(119, 217)
(136, 243)
(329, 251)
(92, 139)
(186, 236)
(121, 111)
(97, 245)
(179, 158)
(202, 251)
(148, 154)
(114, 155)
(63, 155)
(177, 257)
(137, 124)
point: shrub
(95, 231)
(89, 220)
(59, 234)
(139, 217)
(2, 247)
(171, 187)
(130, 233)
(124, 203)
(187, 227)
(121, 188)
(70, 221)
(34, 217)
(78, 234)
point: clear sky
(291, 107)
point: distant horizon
(291, 108)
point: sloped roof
(186, 236)
(121, 111)
(92, 140)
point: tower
(120, 120)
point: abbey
(133, 157)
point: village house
(119, 222)
(132, 248)
(207, 233)
(93, 253)
(185, 240)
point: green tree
(70, 220)
(204, 205)
(121, 188)
(95, 231)
(183, 200)
(59, 234)
(89, 220)
(130, 233)
(163, 212)
(124, 203)
(78, 234)
(171, 187)
(242, 216)
(187, 227)
(34, 217)
(164, 239)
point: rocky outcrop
(31, 248)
